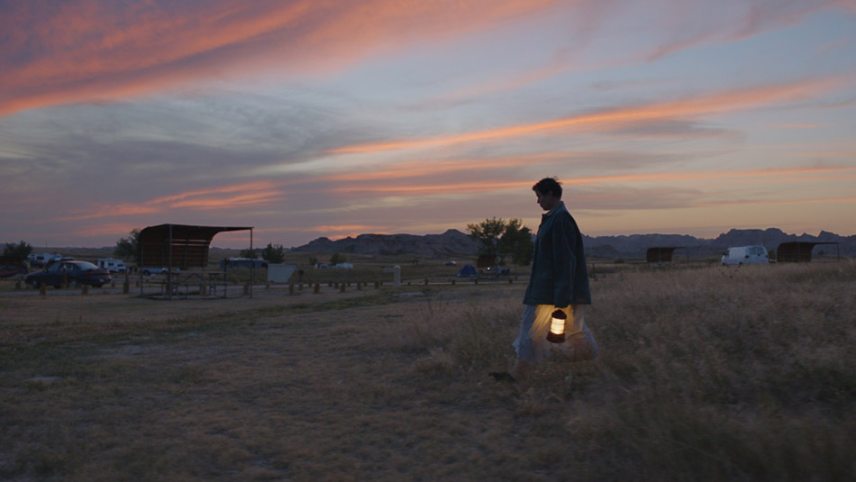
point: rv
(43, 259)
(741, 255)
(111, 265)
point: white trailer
(740, 255)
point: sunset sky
(313, 118)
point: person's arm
(564, 261)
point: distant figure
(559, 281)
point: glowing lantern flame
(557, 327)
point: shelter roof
(798, 251)
(179, 245)
(660, 254)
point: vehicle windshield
(85, 265)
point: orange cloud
(741, 202)
(99, 49)
(727, 101)
(105, 229)
(415, 169)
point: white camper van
(111, 265)
(43, 259)
(745, 255)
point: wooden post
(126, 287)
(43, 289)
(317, 288)
(291, 288)
(342, 288)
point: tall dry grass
(704, 374)
(711, 374)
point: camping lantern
(557, 327)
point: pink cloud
(98, 49)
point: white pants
(531, 344)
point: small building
(661, 254)
(800, 251)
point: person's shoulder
(565, 219)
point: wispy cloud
(720, 102)
(737, 22)
(232, 196)
(102, 50)
(428, 187)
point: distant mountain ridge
(455, 243)
(637, 244)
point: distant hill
(450, 243)
(635, 245)
(456, 243)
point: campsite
(706, 373)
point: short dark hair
(547, 185)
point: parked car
(75, 271)
(741, 255)
(10, 267)
(242, 263)
(150, 270)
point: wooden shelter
(179, 247)
(661, 254)
(800, 251)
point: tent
(468, 271)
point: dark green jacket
(559, 275)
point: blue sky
(314, 118)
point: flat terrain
(705, 374)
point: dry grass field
(705, 374)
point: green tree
(516, 242)
(129, 248)
(498, 237)
(273, 254)
(487, 233)
(18, 252)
